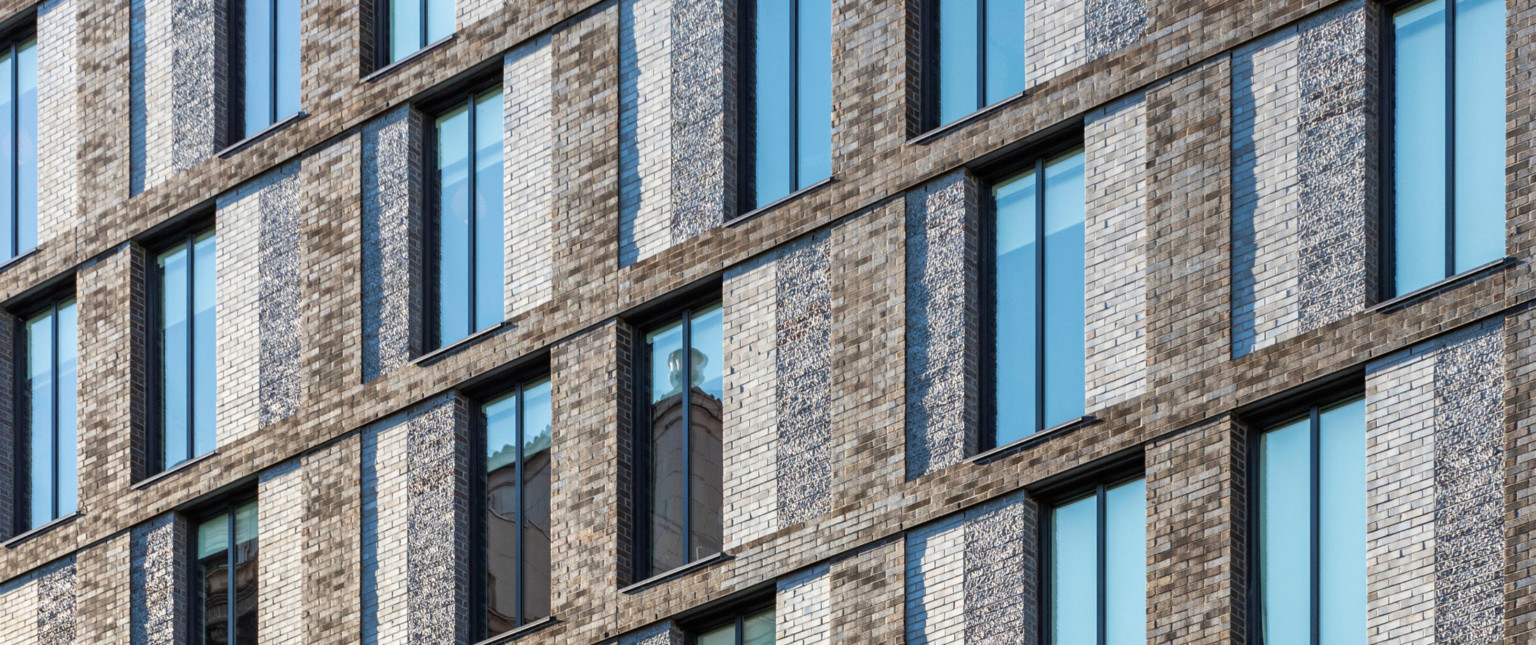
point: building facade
(767, 321)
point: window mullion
(1040, 374)
(53, 408)
(1315, 448)
(981, 54)
(1103, 500)
(272, 64)
(191, 340)
(1450, 137)
(15, 168)
(518, 534)
(471, 220)
(687, 403)
(794, 95)
(231, 629)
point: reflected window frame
(735, 619)
(225, 508)
(240, 86)
(747, 89)
(22, 424)
(156, 460)
(1096, 484)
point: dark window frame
(155, 461)
(735, 616)
(226, 507)
(433, 209)
(1096, 484)
(21, 426)
(381, 33)
(746, 104)
(932, 75)
(237, 49)
(12, 41)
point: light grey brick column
(161, 594)
(971, 577)
(803, 608)
(527, 75)
(1114, 150)
(393, 210)
(280, 534)
(178, 90)
(58, 117)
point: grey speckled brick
(281, 281)
(1114, 24)
(438, 529)
(665, 633)
(804, 360)
(56, 604)
(158, 571)
(393, 198)
(971, 578)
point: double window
(405, 27)
(224, 577)
(974, 51)
(680, 449)
(1097, 567)
(185, 336)
(1447, 139)
(516, 496)
(754, 628)
(18, 148)
(787, 142)
(466, 208)
(1034, 324)
(46, 480)
(1311, 528)
(264, 64)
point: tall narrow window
(1038, 349)
(18, 148)
(754, 628)
(264, 64)
(1311, 528)
(467, 208)
(187, 382)
(406, 26)
(682, 391)
(1447, 138)
(224, 578)
(1098, 567)
(788, 135)
(517, 443)
(45, 406)
(974, 54)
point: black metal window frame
(382, 30)
(746, 163)
(479, 489)
(13, 43)
(431, 259)
(1113, 477)
(226, 508)
(933, 75)
(21, 425)
(239, 49)
(155, 457)
(736, 618)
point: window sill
(994, 454)
(526, 629)
(702, 563)
(393, 67)
(939, 132)
(166, 474)
(1423, 293)
(779, 202)
(454, 347)
(19, 257)
(268, 131)
(32, 533)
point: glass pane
(246, 575)
(757, 629)
(1074, 572)
(537, 424)
(770, 102)
(439, 20)
(7, 158)
(204, 344)
(404, 28)
(1418, 140)
(68, 482)
(489, 271)
(1005, 49)
(211, 580)
(1341, 524)
(26, 146)
(1014, 319)
(1479, 132)
(666, 485)
(175, 344)
(258, 64)
(1285, 515)
(501, 513)
(287, 56)
(1065, 345)
(814, 95)
(453, 252)
(39, 409)
(1125, 564)
(706, 396)
(724, 635)
(958, 93)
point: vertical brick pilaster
(1519, 475)
(437, 446)
(331, 529)
(803, 608)
(331, 227)
(393, 215)
(1114, 150)
(585, 103)
(867, 596)
(10, 437)
(104, 595)
(280, 589)
(112, 299)
(161, 592)
(527, 77)
(58, 117)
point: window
(787, 142)
(186, 386)
(755, 628)
(224, 577)
(45, 407)
(263, 63)
(517, 442)
(1036, 313)
(467, 218)
(18, 148)
(1098, 567)
(1447, 139)
(681, 392)
(407, 26)
(974, 54)
(1310, 536)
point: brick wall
(58, 116)
(971, 578)
(178, 90)
(393, 198)
(528, 155)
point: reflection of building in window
(518, 431)
(707, 472)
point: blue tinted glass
(1285, 541)
(1125, 564)
(175, 342)
(814, 92)
(8, 247)
(1341, 524)
(439, 20)
(26, 146)
(500, 418)
(709, 351)
(489, 271)
(1479, 132)
(68, 482)
(404, 28)
(39, 392)
(666, 477)
(1074, 572)
(1065, 348)
(287, 57)
(958, 93)
(1015, 292)
(771, 108)
(1418, 143)
(204, 343)
(1005, 49)
(536, 482)
(258, 65)
(758, 629)
(453, 252)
